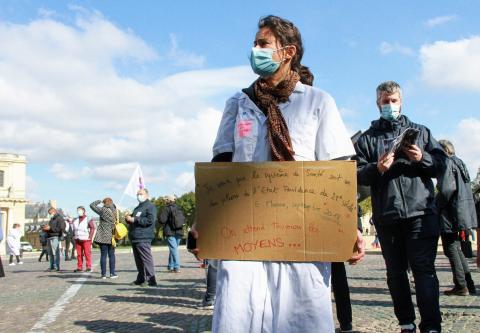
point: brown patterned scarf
(267, 99)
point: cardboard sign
(277, 211)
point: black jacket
(57, 226)
(167, 221)
(143, 227)
(455, 199)
(406, 189)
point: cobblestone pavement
(30, 295)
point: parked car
(26, 247)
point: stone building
(12, 193)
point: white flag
(136, 183)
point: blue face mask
(262, 62)
(390, 111)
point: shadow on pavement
(182, 302)
(369, 290)
(180, 322)
(172, 292)
(104, 326)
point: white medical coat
(13, 242)
(260, 296)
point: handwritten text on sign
(288, 211)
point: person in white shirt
(280, 117)
(13, 244)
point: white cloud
(439, 20)
(63, 99)
(452, 64)
(32, 189)
(182, 58)
(467, 143)
(185, 182)
(64, 172)
(387, 48)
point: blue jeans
(107, 249)
(173, 257)
(54, 252)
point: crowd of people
(282, 117)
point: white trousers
(273, 297)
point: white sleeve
(333, 140)
(225, 143)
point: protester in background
(341, 290)
(54, 230)
(172, 219)
(13, 244)
(211, 281)
(83, 230)
(280, 117)
(141, 232)
(476, 197)
(69, 240)
(403, 207)
(457, 215)
(376, 243)
(108, 214)
(42, 235)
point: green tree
(366, 205)
(187, 204)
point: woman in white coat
(280, 117)
(13, 244)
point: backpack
(177, 219)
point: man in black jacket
(141, 232)
(403, 206)
(171, 218)
(457, 214)
(54, 230)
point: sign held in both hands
(277, 211)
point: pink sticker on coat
(244, 127)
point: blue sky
(89, 88)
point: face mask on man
(80, 212)
(141, 197)
(262, 62)
(390, 111)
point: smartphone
(191, 242)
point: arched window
(2, 176)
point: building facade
(12, 193)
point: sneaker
(104, 277)
(176, 270)
(20, 262)
(455, 291)
(88, 270)
(113, 276)
(11, 264)
(152, 284)
(409, 329)
(347, 328)
(77, 270)
(139, 284)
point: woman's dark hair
(288, 34)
